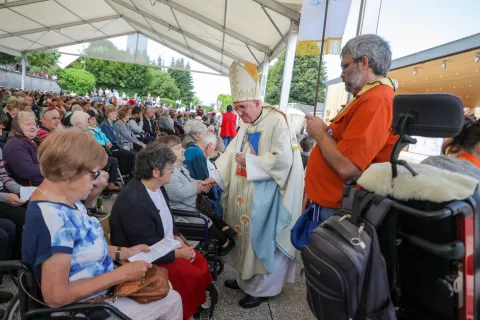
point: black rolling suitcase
(345, 272)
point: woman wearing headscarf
(20, 152)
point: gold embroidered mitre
(244, 82)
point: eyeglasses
(95, 174)
(346, 65)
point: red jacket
(229, 125)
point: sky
(409, 26)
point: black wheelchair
(431, 249)
(26, 303)
(196, 232)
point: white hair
(76, 107)
(208, 138)
(25, 114)
(194, 126)
(79, 117)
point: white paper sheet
(26, 192)
(157, 251)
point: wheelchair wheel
(12, 310)
(211, 264)
(107, 195)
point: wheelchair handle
(451, 210)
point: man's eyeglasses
(95, 174)
(346, 65)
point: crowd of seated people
(64, 152)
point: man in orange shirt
(361, 133)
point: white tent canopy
(211, 32)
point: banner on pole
(311, 26)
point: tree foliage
(43, 59)
(7, 59)
(226, 99)
(76, 80)
(163, 85)
(304, 80)
(117, 75)
(183, 80)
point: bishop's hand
(241, 159)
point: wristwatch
(117, 254)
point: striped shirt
(7, 184)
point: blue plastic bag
(309, 220)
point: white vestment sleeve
(215, 175)
(255, 172)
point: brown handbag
(153, 287)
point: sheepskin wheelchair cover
(431, 183)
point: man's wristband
(117, 254)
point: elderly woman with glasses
(65, 248)
(141, 214)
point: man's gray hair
(374, 48)
(194, 126)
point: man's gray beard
(355, 82)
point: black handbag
(204, 205)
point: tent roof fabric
(211, 32)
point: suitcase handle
(334, 224)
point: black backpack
(346, 275)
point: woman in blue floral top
(64, 247)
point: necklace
(63, 199)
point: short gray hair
(208, 138)
(154, 156)
(194, 126)
(79, 116)
(374, 48)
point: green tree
(43, 59)
(196, 100)
(159, 61)
(76, 80)
(7, 59)
(163, 85)
(184, 81)
(226, 100)
(304, 80)
(117, 75)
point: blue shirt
(58, 228)
(99, 136)
(196, 163)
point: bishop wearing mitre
(262, 176)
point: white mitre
(244, 82)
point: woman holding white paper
(141, 214)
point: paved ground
(290, 304)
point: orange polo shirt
(364, 135)
(469, 157)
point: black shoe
(94, 212)
(2, 313)
(251, 302)
(230, 233)
(232, 284)
(5, 296)
(224, 251)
